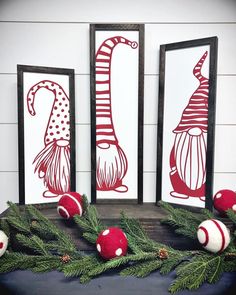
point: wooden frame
(186, 180)
(58, 145)
(104, 32)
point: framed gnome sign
(117, 74)
(186, 120)
(46, 117)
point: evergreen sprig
(184, 221)
(89, 223)
(52, 249)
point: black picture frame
(117, 27)
(212, 42)
(21, 70)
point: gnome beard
(111, 168)
(187, 162)
(53, 165)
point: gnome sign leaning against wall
(188, 155)
(112, 162)
(53, 162)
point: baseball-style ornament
(223, 200)
(213, 235)
(111, 243)
(3, 242)
(70, 204)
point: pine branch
(185, 221)
(4, 226)
(46, 225)
(14, 261)
(46, 265)
(34, 243)
(229, 266)
(174, 259)
(90, 237)
(137, 238)
(89, 222)
(79, 267)
(232, 216)
(206, 214)
(115, 263)
(192, 274)
(142, 269)
(85, 203)
(17, 219)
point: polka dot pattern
(118, 252)
(56, 128)
(106, 232)
(99, 248)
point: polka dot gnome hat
(58, 127)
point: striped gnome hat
(58, 126)
(105, 132)
(195, 115)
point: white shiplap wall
(56, 33)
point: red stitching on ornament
(222, 234)
(207, 236)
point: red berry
(112, 243)
(70, 204)
(224, 200)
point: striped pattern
(105, 132)
(196, 112)
(213, 235)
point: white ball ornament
(3, 242)
(213, 235)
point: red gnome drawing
(188, 155)
(53, 162)
(111, 160)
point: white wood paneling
(226, 100)
(67, 45)
(8, 99)
(9, 188)
(149, 148)
(55, 33)
(83, 149)
(158, 34)
(150, 99)
(149, 187)
(54, 45)
(119, 11)
(82, 99)
(9, 147)
(83, 183)
(225, 149)
(224, 181)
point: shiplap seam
(122, 22)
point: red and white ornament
(3, 242)
(213, 235)
(111, 243)
(224, 199)
(70, 204)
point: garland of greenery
(36, 244)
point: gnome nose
(63, 142)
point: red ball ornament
(111, 243)
(70, 204)
(224, 199)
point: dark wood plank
(148, 214)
